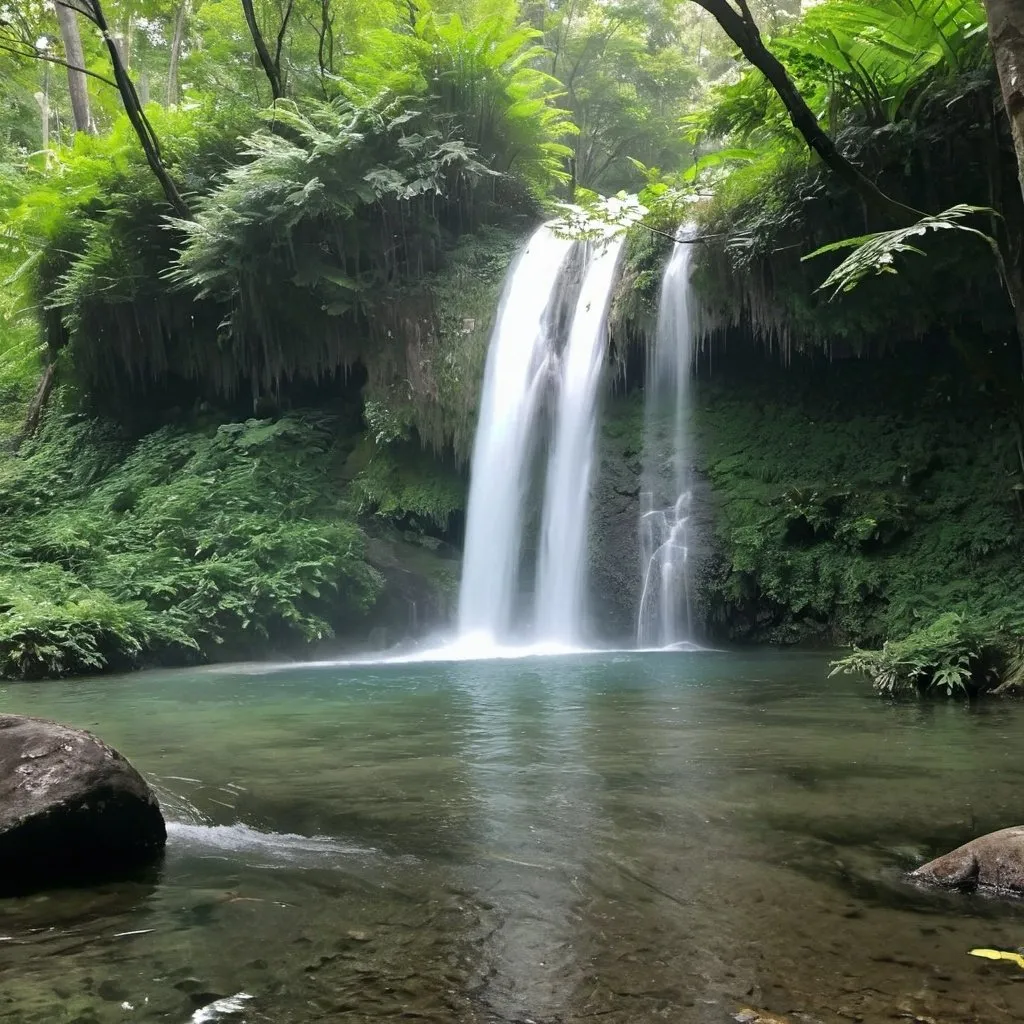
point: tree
(93, 10)
(67, 18)
(1006, 32)
(177, 40)
(271, 62)
(742, 29)
(629, 74)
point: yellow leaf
(999, 954)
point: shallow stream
(620, 838)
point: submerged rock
(749, 1016)
(72, 809)
(993, 861)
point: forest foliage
(905, 87)
(174, 543)
(826, 544)
(354, 178)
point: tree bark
(43, 99)
(270, 68)
(176, 43)
(67, 19)
(1006, 33)
(325, 51)
(741, 28)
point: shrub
(114, 550)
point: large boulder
(993, 861)
(72, 809)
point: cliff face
(836, 502)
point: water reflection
(535, 801)
(628, 838)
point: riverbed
(612, 837)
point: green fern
(876, 253)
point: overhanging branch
(741, 28)
(34, 53)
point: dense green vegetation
(252, 253)
(838, 505)
(856, 508)
(892, 519)
(814, 535)
(325, 258)
(923, 129)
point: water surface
(620, 838)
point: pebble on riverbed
(748, 1016)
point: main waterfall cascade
(518, 365)
(567, 497)
(665, 616)
(525, 365)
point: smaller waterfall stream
(665, 616)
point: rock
(749, 1016)
(72, 809)
(993, 861)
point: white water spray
(665, 615)
(560, 578)
(518, 364)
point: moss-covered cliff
(843, 501)
(858, 455)
(194, 531)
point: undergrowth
(956, 654)
(195, 537)
(398, 482)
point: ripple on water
(274, 847)
(221, 1007)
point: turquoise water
(620, 838)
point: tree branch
(137, 116)
(83, 7)
(35, 54)
(689, 240)
(747, 16)
(280, 39)
(743, 31)
(269, 68)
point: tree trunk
(325, 51)
(176, 43)
(272, 71)
(743, 31)
(75, 55)
(39, 400)
(43, 99)
(1006, 32)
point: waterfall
(665, 615)
(528, 369)
(559, 606)
(518, 363)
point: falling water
(559, 605)
(665, 616)
(518, 364)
